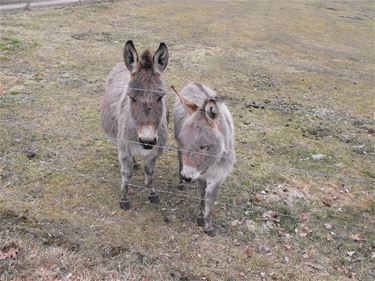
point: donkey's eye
(204, 147)
(132, 99)
(159, 98)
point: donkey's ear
(190, 106)
(161, 58)
(211, 111)
(130, 56)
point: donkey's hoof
(210, 232)
(154, 198)
(200, 221)
(125, 204)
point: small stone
(251, 225)
(30, 153)
(235, 223)
(318, 157)
(350, 254)
(328, 226)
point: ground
(299, 204)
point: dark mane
(146, 59)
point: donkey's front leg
(181, 182)
(149, 178)
(127, 165)
(209, 200)
(202, 190)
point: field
(298, 77)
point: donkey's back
(116, 87)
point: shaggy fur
(204, 131)
(134, 113)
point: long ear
(130, 56)
(211, 111)
(190, 106)
(161, 58)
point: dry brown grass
(311, 63)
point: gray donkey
(205, 136)
(134, 113)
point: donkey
(134, 113)
(204, 132)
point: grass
(61, 206)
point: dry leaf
(248, 252)
(288, 247)
(9, 251)
(357, 237)
(270, 215)
(304, 217)
(306, 255)
(329, 238)
(258, 198)
(304, 231)
(327, 202)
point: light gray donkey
(134, 113)
(205, 135)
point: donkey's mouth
(147, 146)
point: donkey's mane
(146, 59)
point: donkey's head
(203, 143)
(146, 91)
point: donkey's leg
(149, 178)
(210, 198)
(181, 182)
(202, 190)
(126, 162)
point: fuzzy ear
(211, 111)
(161, 58)
(190, 106)
(130, 56)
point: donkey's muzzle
(186, 178)
(147, 143)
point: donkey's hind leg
(149, 178)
